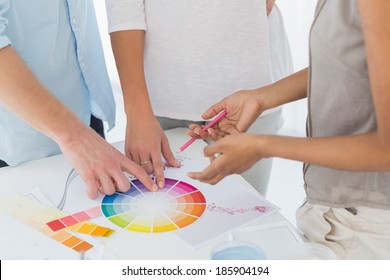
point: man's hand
(101, 166)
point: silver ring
(145, 162)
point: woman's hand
(243, 108)
(232, 155)
(146, 144)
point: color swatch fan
(176, 206)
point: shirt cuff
(4, 41)
(126, 26)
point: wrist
(262, 143)
(69, 131)
(137, 103)
(138, 113)
(265, 97)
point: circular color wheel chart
(176, 206)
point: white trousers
(355, 233)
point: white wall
(297, 14)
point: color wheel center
(153, 202)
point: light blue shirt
(60, 42)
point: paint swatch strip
(35, 214)
(61, 236)
(76, 218)
(91, 229)
(71, 241)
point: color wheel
(176, 206)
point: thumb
(167, 154)
(213, 110)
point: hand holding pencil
(241, 110)
(221, 115)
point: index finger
(136, 170)
(198, 132)
(212, 149)
(159, 171)
(206, 174)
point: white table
(46, 174)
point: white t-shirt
(199, 51)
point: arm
(270, 4)
(333, 152)
(244, 107)
(145, 140)
(97, 162)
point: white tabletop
(46, 174)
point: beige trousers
(354, 233)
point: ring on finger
(145, 162)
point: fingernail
(161, 184)
(154, 187)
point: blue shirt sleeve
(4, 7)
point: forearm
(98, 163)
(22, 94)
(376, 30)
(289, 89)
(128, 49)
(364, 152)
(269, 5)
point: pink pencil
(210, 124)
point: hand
(145, 143)
(236, 153)
(242, 107)
(101, 166)
(270, 4)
